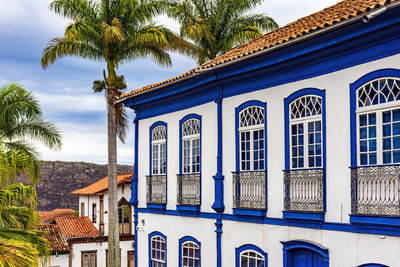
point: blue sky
(64, 89)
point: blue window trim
(237, 111)
(187, 208)
(250, 247)
(154, 125)
(151, 235)
(353, 105)
(296, 244)
(372, 265)
(185, 239)
(367, 220)
(306, 216)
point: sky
(64, 89)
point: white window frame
(155, 261)
(261, 257)
(190, 138)
(159, 170)
(251, 129)
(305, 121)
(195, 247)
(378, 109)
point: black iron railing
(375, 190)
(250, 190)
(188, 189)
(304, 190)
(156, 192)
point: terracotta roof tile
(53, 234)
(102, 185)
(48, 217)
(339, 12)
(76, 227)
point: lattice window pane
(378, 91)
(306, 106)
(251, 116)
(159, 133)
(297, 136)
(191, 127)
(190, 254)
(158, 256)
(367, 139)
(391, 136)
(251, 258)
(314, 144)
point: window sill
(304, 216)
(249, 212)
(188, 209)
(156, 207)
(375, 221)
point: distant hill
(58, 179)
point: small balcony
(156, 193)
(250, 193)
(188, 190)
(304, 192)
(375, 191)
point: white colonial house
(82, 241)
(284, 151)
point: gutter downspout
(365, 17)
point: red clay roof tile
(102, 185)
(53, 234)
(76, 227)
(341, 11)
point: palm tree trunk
(114, 253)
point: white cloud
(66, 103)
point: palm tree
(21, 244)
(21, 118)
(217, 26)
(113, 32)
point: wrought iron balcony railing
(156, 189)
(304, 190)
(249, 190)
(375, 190)
(188, 189)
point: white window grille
(159, 150)
(191, 146)
(378, 122)
(190, 254)
(252, 139)
(158, 256)
(250, 258)
(306, 132)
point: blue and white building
(282, 152)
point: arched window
(158, 250)
(249, 256)
(306, 143)
(251, 136)
(189, 252)
(301, 253)
(372, 265)
(159, 149)
(378, 121)
(190, 144)
(124, 217)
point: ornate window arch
(189, 252)
(251, 136)
(375, 118)
(190, 144)
(157, 250)
(158, 148)
(250, 255)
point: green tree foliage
(217, 26)
(113, 32)
(21, 122)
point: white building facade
(287, 157)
